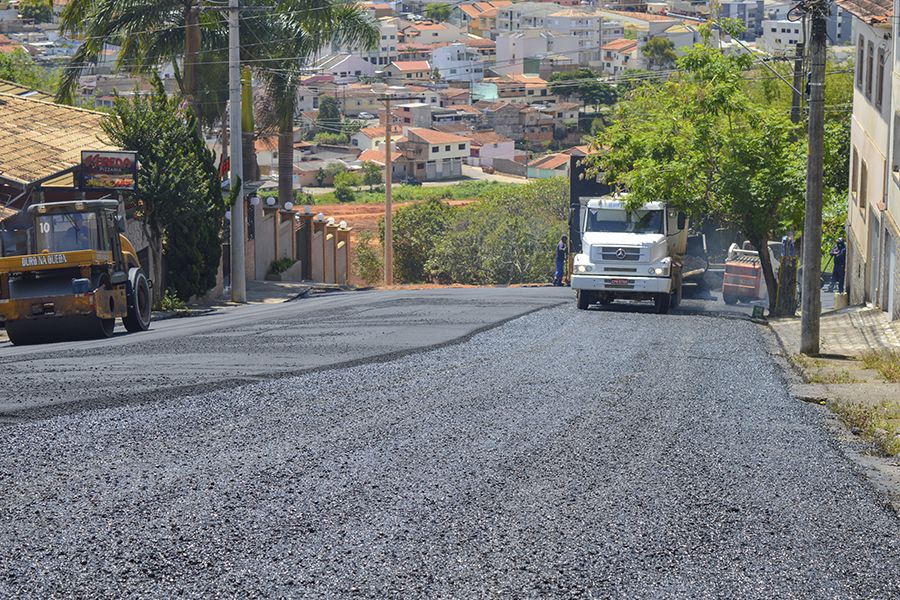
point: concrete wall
(504, 165)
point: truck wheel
(138, 317)
(582, 299)
(662, 303)
(729, 299)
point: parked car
(367, 115)
(411, 181)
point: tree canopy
(660, 53)
(699, 142)
(181, 203)
(438, 11)
(40, 11)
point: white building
(458, 62)
(780, 37)
(618, 56)
(524, 15)
(514, 47)
(873, 213)
(345, 68)
(583, 25)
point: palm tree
(149, 34)
(294, 34)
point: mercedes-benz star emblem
(620, 254)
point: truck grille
(607, 253)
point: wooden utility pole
(238, 275)
(811, 301)
(796, 97)
(388, 181)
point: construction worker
(562, 249)
(839, 253)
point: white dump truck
(630, 255)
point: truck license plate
(618, 282)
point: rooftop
(869, 11)
(42, 139)
(550, 161)
(436, 137)
(411, 65)
(620, 45)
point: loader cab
(78, 225)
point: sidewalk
(845, 377)
(848, 332)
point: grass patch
(886, 362)
(838, 376)
(410, 193)
(880, 424)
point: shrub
(417, 228)
(279, 266)
(369, 261)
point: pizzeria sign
(105, 171)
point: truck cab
(630, 255)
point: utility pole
(796, 98)
(811, 301)
(238, 276)
(388, 214)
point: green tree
(583, 83)
(507, 237)
(295, 35)
(181, 204)
(699, 141)
(660, 53)
(371, 174)
(40, 11)
(369, 258)
(18, 67)
(327, 138)
(417, 227)
(149, 34)
(329, 116)
(438, 12)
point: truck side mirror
(682, 221)
(120, 224)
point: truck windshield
(65, 232)
(619, 221)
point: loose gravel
(566, 453)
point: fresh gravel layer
(566, 453)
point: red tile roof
(378, 155)
(622, 45)
(869, 11)
(411, 65)
(550, 162)
(436, 137)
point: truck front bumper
(623, 286)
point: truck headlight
(583, 268)
(659, 271)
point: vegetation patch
(413, 193)
(886, 362)
(878, 423)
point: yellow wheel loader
(81, 276)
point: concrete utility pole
(238, 276)
(388, 210)
(811, 301)
(796, 98)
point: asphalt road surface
(461, 452)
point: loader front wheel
(138, 317)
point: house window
(879, 82)
(860, 62)
(462, 146)
(854, 174)
(870, 59)
(446, 148)
(863, 184)
(435, 148)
